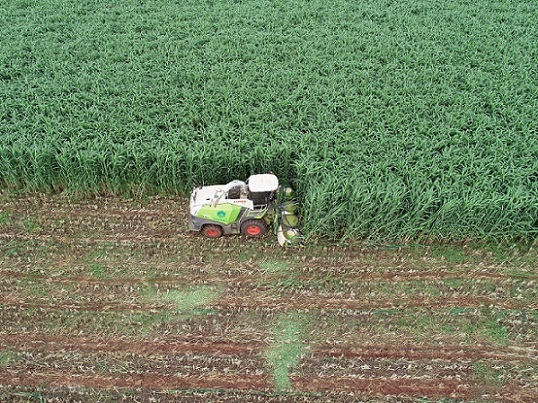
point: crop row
(406, 120)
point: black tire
(254, 228)
(212, 231)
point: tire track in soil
(432, 352)
(322, 302)
(389, 270)
(137, 238)
(414, 387)
(385, 387)
(33, 342)
(103, 208)
(60, 379)
(280, 303)
(27, 342)
(259, 280)
(380, 387)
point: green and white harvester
(251, 208)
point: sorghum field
(107, 300)
(407, 124)
(394, 119)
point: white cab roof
(205, 194)
(263, 183)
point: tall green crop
(403, 119)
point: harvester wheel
(212, 231)
(254, 228)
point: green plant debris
(186, 304)
(274, 266)
(493, 327)
(30, 225)
(190, 301)
(452, 254)
(98, 270)
(8, 358)
(99, 253)
(5, 217)
(522, 274)
(288, 348)
(11, 248)
(488, 374)
(34, 288)
(97, 259)
(31, 396)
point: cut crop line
(421, 352)
(91, 306)
(251, 280)
(60, 379)
(411, 387)
(38, 342)
(327, 303)
(28, 342)
(282, 303)
(394, 386)
(164, 236)
(162, 280)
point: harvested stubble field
(112, 299)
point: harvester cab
(248, 208)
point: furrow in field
(86, 363)
(259, 279)
(185, 345)
(63, 305)
(131, 237)
(22, 377)
(69, 394)
(431, 352)
(321, 302)
(281, 302)
(175, 345)
(431, 388)
(376, 387)
(121, 363)
(401, 386)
